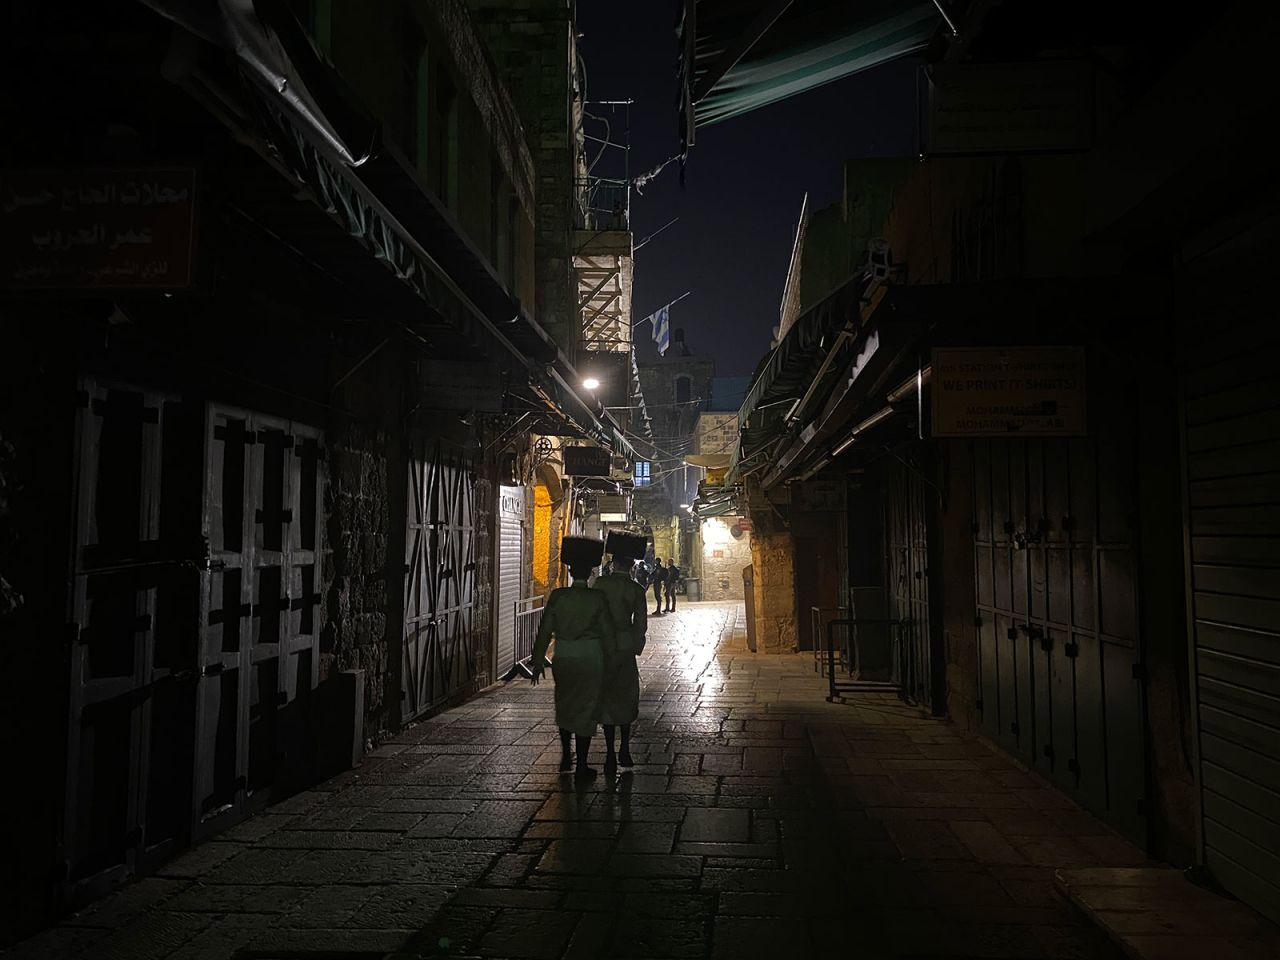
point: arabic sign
(97, 229)
(1004, 391)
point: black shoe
(566, 763)
(624, 759)
(584, 773)
(610, 763)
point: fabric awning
(789, 369)
(739, 55)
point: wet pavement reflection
(759, 821)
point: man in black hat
(578, 618)
(620, 692)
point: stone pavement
(760, 822)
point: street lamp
(591, 383)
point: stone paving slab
(760, 821)
(1155, 913)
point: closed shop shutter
(440, 570)
(1231, 396)
(1056, 614)
(510, 557)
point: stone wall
(357, 506)
(723, 557)
(534, 45)
(773, 560)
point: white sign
(1008, 391)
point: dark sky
(745, 178)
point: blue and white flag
(662, 329)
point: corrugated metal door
(260, 618)
(1232, 417)
(510, 567)
(439, 597)
(907, 540)
(1056, 615)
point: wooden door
(133, 636)
(1057, 622)
(261, 611)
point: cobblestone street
(760, 821)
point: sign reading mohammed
(1009, 391)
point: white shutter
(510, 566)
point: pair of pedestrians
(664, 581)
(599, 631)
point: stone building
(260, 417)
(675, 387)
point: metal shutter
(1231, 397)
(510, 555)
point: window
(410, 129)
(444, 175)
(641, 476)
(683, 389)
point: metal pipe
(877, 417)
(913, 382)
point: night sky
(744, 182)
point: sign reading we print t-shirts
(1008, 391)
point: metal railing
(818, 617)
(604, 204)
(838, 688)
(528, 617)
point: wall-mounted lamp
(591, 383)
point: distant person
(640, 574)
(578, 618)
(657, 577)
(620, 690)
(669, 584)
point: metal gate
(189, 673)
(510, 574)
(132, 612)
(1059, 666)
(439, 586)
(1232, 440)
(260, 610)
(907, 543)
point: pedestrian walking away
(628, 611)
(577, 617)
(670, 583)
(656, 579)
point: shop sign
(586, 461)
(97, 229)
(1008, 391)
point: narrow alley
(760, 821)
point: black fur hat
(625, 546)
(581, 551)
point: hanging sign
(1008, 391)
(586, 461)
(97, 229)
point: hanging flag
(662, 329)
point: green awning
(739, 55)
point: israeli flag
(662, 329)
